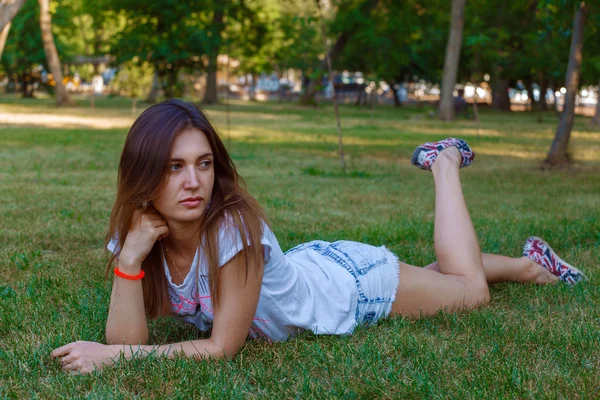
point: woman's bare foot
(540, 252)
(448, 157)
(536, 273)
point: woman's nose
(191, 179)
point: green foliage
(133, 79)
(274, 36)
(400, 40)
(528, 40)
(24, 48)
(87, 28)
(169, 34)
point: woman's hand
(84, 357)
(146, 228)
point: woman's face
(190, 181)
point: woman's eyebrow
(200, 156)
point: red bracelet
(129, 277)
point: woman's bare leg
(499, 269)
(461, 282)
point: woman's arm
(233, 318)
(238, 299)
(126, 322)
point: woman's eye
(205, 164)
(175, 167)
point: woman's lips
(191, 202)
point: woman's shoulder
(230, 228)
(231, 240)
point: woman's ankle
(529, 271)
(533, 272)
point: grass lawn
(57, 186)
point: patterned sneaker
(425, 154)
(539, 251)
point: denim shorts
(375, 270)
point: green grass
(56, 190)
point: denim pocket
(361, 257)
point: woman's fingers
(68, 359)
(61, 351)
(163, 231)
(69, 367)
(154, 220)
(159, 222)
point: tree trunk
(211, 93)
(8, 10)
(596, 119)
(500, 99)
(397, 102)
(359, 94)
(308, 97)
(154, 89)
(13, 80)
(558, 151)
(173, 81)
(451, 60)
(168, 81)
(23, 85)
(533, 105)
(543, 90)
(62, 97)
(3, 36)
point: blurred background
(513, 54)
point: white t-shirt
(300, 291)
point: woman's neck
(183, 238)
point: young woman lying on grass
(188, 240)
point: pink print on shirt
(181, 305)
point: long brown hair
(143, 171)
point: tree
(3, 37)
(86, 28)
(212, 48)
(512, 41)
(596, 119)
(8, 10)
(171, 35)
(133, 79)
(558, 151)
(350, 16)
(260, 34)
(403, 39)
(62, 97)
(24, 50)
(451, 60)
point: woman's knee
(479, 292)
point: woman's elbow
(229, 351)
